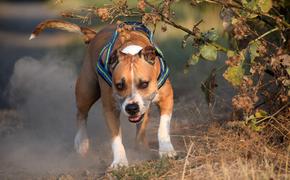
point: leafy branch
(167, 20)
(240, 6)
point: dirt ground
(207, 150)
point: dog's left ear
(149, 54)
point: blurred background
(37, 119)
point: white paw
(119, 163)
(166, 150)
(82, 142)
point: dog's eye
(121, 85)
(143, 84)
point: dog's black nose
(132, 109)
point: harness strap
(103, 66)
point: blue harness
(103, 66)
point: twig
(285, 128)
(273, 115)
(186, 161)
(285, 135)
(263, 35)
(184, 141)
(188, 31)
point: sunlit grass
(228, 152)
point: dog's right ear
(115, 58)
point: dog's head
(134, 81)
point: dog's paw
(170, 154)
(119, 164)
(166, 150)
(82, 142)
(83, 147)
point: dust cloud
(42, 91)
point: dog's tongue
(135, 118)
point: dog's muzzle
(133, 110)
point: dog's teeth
(32, 36)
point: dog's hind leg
(87, 93)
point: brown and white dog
(134, 88)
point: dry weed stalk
(186, 160)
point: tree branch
(276, 19)
(188, 31)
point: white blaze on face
(135, 97)
(132, 49)
(133, 89)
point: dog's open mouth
(135, 118)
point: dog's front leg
(112, 116)
(165, 146)
(166, 107)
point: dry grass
(218, 152)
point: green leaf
(211, 35)
(234, 74)
(288, 70)
(265, 5)
(193, 60)
(257, 128)
(253, 5)
(253, 50)
(260, 113)
(208, 52)
(252, 123)
(230, 53)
